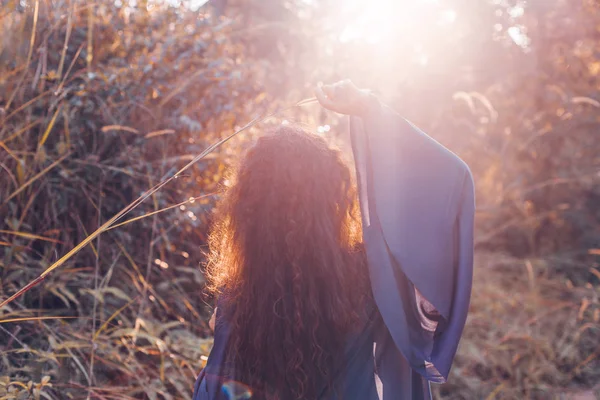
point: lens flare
(236, 390)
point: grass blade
(36, 10)
(36, 177)
(25, 105)
(113, 316)
(25, 319)
(49, 128)
(67, 36)
(140, 199)
(161, 210)
(109, 128)
(159, 133)
(10, 153)
(20, 131)
(29, 236)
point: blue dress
(360, 373)
(417, 205)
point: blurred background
(102, 99)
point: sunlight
(382, 18)
(193, 5)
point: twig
(143, 197)
(36, 177)
(96, 268)
(148, 268)
(67, 36)
(61, 84)
(90, 32)
(36, 10)
(192, 199)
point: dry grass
(97, 107)
(124, 318)
(529, 334)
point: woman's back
(353, 377)
(286, 260)
(297, 271)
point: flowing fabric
(417, 204)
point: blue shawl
(417, 204)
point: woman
(317, 303)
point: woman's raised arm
(417, 205)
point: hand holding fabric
(344, 97)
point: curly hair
(285, 248)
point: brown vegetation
(100, 102)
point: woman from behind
(303, 312)
(287, 266)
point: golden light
(383, 19)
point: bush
(91, 119)
(100, 102)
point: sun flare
(383, 19)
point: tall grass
(124, 318)
(527, 336)
(107, 111)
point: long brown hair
(285, 249)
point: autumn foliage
(100, 101)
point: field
(101, 102)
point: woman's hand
(343, 97)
